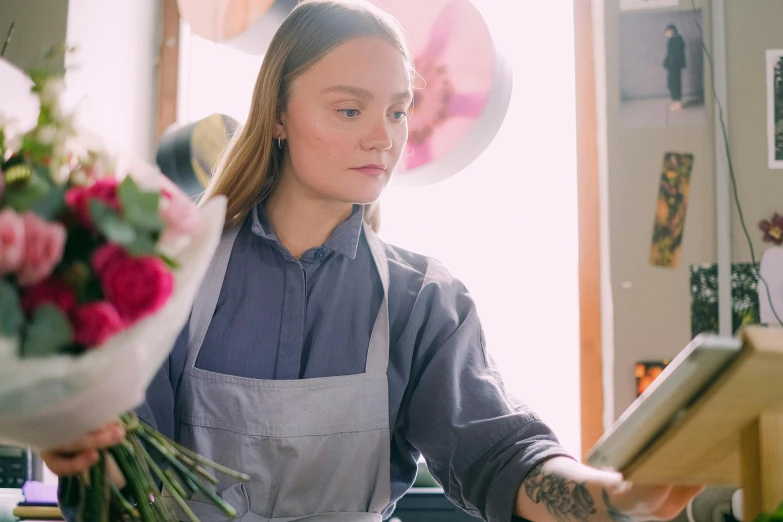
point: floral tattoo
(567, 500)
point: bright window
(506, 225)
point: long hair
(250, 166)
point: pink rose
(136, 286)
(94, 323)
(179, 214)
(11, 241)
(49, 291)
(43, 249)
(104, 190)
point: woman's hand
(80, 454)
(657, 502)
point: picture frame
(774, 66)
(628, 5)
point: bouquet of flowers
(99, 267)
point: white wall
(507, 224)
(113, 75)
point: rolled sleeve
(478, 443)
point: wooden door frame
(168, 67)
(590, 351)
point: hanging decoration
(462, 90)
(244, 25)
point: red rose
(105, 257)
(136, 286)
(49, 291)
(96, 322)
(104, 190)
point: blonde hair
(250, 166)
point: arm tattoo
(564, 499)
(567, 500)
(614, 514)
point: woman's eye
(399, 115)
(349, 113)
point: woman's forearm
(561, 490)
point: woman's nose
(378, 136)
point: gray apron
(316, 449)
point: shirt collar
(344, 238)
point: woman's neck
(300, 221)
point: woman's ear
(280, 126)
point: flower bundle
(99, 267)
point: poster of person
(775, 108)
(673, 192)
(661, 69)
(704, 297)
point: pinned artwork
(704, 297)
(462, 93)
(661, 69)
(188, 154)
(646, 372)
(775, 108)
(773, 229)
(673, 192)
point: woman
(674, 63)
(322, 361)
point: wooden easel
(732, 434)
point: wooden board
(702, 447)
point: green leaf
(36, 150)
(48, 333)
(144, 245)
(116, 229)
(139, 208)
(170, 262)
(39, 77)
(23, 196)
(11, 316)
(51, 205)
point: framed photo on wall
(775, 108)
(627, 5)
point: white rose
(47, 134)
(52, 91)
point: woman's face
(345, 123)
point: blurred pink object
(39, 492)
(11, 241)
(180, 216)
(43, 248)
(459, 69)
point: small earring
(280, 143)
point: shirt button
(320, 254)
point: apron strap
(208, 294)
(378, 352)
